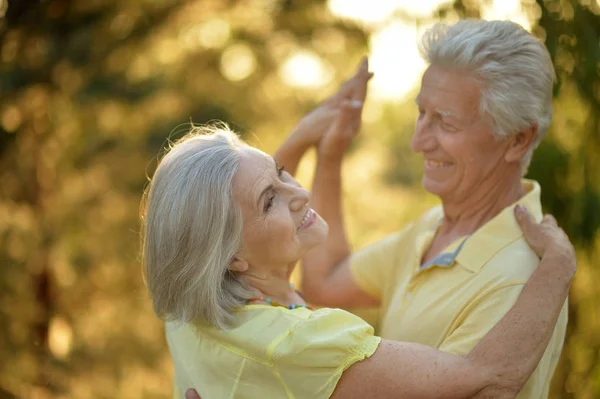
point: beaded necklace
(269, 301)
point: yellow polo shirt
(454, 300)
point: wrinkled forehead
(254, 173)
(451, 92)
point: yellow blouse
(269, 352)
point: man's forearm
(326, 200)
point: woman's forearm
(326, 200)
(513, 348)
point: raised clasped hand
(340, 113)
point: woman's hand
(546, 238)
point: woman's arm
(502, 362)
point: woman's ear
(238, 265)
(520, 144)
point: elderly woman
(447, 278)
(223, 225)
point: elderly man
(485, 104)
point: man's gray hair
(514, 67)
(191, 229)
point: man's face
(462, 157)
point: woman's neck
(273, 283)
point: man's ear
(520, 143)
(238, 264)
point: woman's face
(279, 227)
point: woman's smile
(308, 219)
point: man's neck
(466, 217)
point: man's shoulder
(513, 264)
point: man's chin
(433, 187)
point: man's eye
(449, 128)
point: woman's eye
(269, 203)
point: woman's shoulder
(317, 349)
(326, 328)
(256, 328)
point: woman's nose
(300, 198)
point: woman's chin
(314, 235)
(320, 231)
(317, 240)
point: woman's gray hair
(514, 67)
(192, 228)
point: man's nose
(424, 138)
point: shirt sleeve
(312, 356)
(478, 318)
(372, 266)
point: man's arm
(326, 275)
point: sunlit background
(91, 89)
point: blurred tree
(89, 90)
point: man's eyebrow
(262, 194)
(445, 113)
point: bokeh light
(238, 62)
(305, 69)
